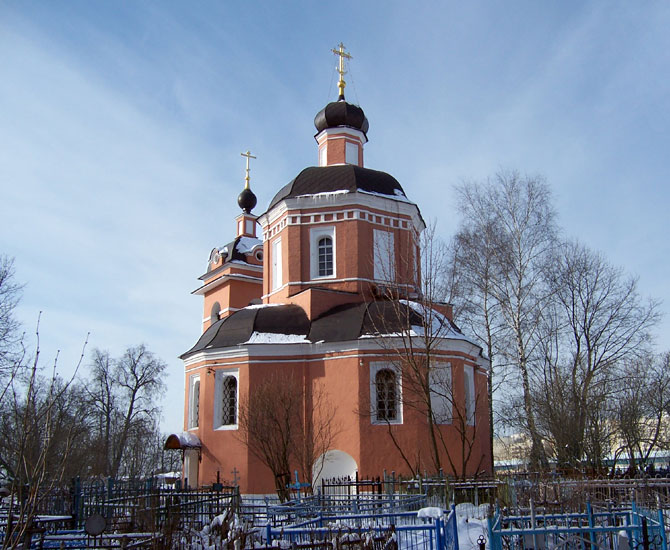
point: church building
(322, 293)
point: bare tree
(640, 409)
(123, 392)
(414, 329)
(594, 324)
(39, 424)
(516, 215)
(274, 426)
(11, 350)
(473, 264)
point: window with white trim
(322, 252)
(384, 255)
(385, 394)
(276, 273)
(226, 399)
(469, 382)
(193, 401)
(441, 393)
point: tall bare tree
(516, 215)
(595, 323)
(124, 393)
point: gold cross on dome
(249, 156)
(340, 69)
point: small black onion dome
(341, 113)
(247, 200)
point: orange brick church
(323, 289)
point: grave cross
(297, 485)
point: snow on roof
(439, 324)
(185, 440)
(247, 244)
(273, 338)
(325, 193)
(398, 195)
(261, 306)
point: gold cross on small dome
(340, 69)
(249, 156)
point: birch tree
(516, 215)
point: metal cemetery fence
(133, 505)
(616, 529)
(134, 511)
(403, 530)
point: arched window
(229, 401)
(325, 251)
(214, 315)
(194, 401)
(387, 399)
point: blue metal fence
(622, 529)
(405, 529)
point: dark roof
(340, 113)
(343, 177)
(238, 327)
(351, 321)
(341, 323)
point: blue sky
(121, 125)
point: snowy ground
(471, 525)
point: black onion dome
(341, 113)
(237, 328)
(247, 200)
(341, 177)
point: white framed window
(470, 404)
(226, 399)
(322, 252)
(384, 255)
(193, 401)
(385, 394)
(441, 393)
(351, 153)
(276, 273)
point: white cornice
(283, 353)
(300, 205)
(224, 279)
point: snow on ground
(469, 530)
(470, 519)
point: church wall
(340, 380)
(412, 434)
